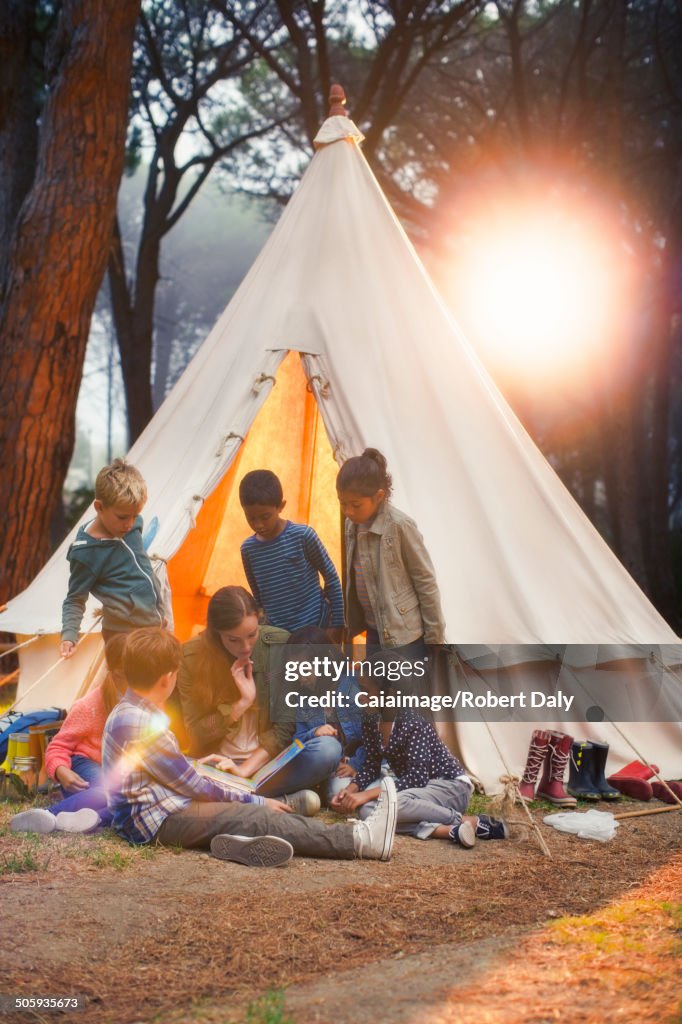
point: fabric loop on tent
(224, 441)
(340, 452)
(17, 647)
(666, 668)
(192, 509)
(261, 380)
(323, 386)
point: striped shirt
(284, 577)
(415, 753)
(146, 775)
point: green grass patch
(268, 1009)
(22, 862)
(479, 804)
(620, 928)
(103, 857)
(107, 851)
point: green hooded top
(117, 571)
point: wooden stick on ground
(649, 810)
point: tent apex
(337, 101)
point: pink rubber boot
(552, 783)
(537, 752)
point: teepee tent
(337, 340)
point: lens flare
(536, 293)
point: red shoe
(634, 770)
(638, 789)
(661, 793)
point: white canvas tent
(339, 285)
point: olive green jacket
(206, 710)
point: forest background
(146, 148)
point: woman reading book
(231, 691)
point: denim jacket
(400, 579)
(350, 719)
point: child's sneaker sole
(256, 852)
(466, 837)
(34, 820)
(303, 801)
(85, 820)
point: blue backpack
(20, 721)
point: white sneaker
(255, 852)
(35, 820)
(85, 820)
(303, 801)
(374, 836)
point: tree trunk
(18, 115)
(55, 265)
(664, 332)
(134, 325)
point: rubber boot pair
(587, 772)
(550, 751)
(633, 781)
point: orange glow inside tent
(289, 438)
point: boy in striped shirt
(284, 561)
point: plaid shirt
(147, 776)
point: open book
(262, 775)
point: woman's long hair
(227, 609)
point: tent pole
(17, 647)
(52, 667)
(510, 781)
(305, 490)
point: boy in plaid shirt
(155, 793)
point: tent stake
(650, 810)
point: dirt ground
(439, 935)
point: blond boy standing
(108, 560)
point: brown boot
(537, 752)
(552, 783)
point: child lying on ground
(433, 787)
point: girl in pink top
(74, 758)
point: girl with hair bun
(391, 589)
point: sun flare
(537, 292)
